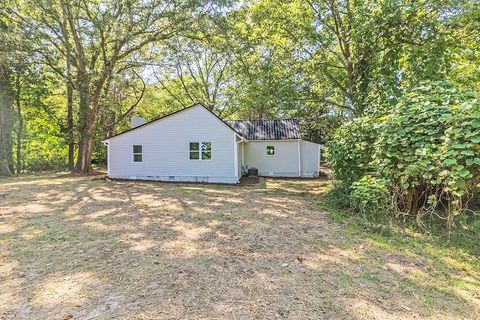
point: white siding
(283, 164)
(310, 158)
(166, 149)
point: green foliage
(370, 196)
(322, 62)
(428, 149)
(351, 149)
(44, 146)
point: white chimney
(137, 121)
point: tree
(266, 79)
(8, 59)
(5, 121)
(19, 132)
(354, 51)
(200, 73)
(99, 40)
(79, 68)
(465, 28)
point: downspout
(319, 158)
(299, 159)
(243, 154)
(235, 157)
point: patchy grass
(449, 265)
(86, 248)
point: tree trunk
(71, 143)
(83, 164)
(5, 137)
(112, 120)
(5, 124)
(69, 87)
(84, 158)
(88, 118)
(20, 126)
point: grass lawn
(87, 248)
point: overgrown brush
(420, 160)
(370, 196)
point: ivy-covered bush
(351, 149)
(370, 196)
(427, 150)
(430, 147)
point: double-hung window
(137, 153)
(200, 150)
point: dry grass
(86, 248)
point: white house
(195, 145)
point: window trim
(266, 151)
(137, 153)
(200, 152)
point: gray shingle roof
(266, 129)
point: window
(206, 150)
(270, 150)
(194, 151)
(137, 153)
(200, 150)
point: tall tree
(19, 131)
(69, 86)
(355, 49)
(5, 120)
(104, 37)
(193, 71)
(8, 59)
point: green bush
(370, 196)
(351, 149)
(428, 148)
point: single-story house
(195, 145)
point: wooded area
(391, 87)
(73, 71)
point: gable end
(171, 114)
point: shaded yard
(86, 248)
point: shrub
(427, 148)
(369, 196)
(351, 149)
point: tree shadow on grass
(99, 249)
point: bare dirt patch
(85, 248)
